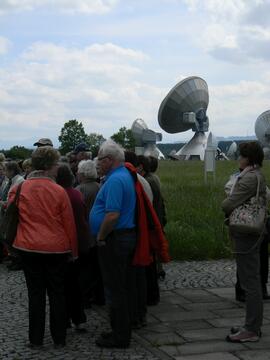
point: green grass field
(195, 221)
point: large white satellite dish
(262, 131)
(232, 153)
(185, 108)
(146, 139)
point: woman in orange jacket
(46, 239)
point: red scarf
(150, 235)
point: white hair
(112, 149)
(88, 169)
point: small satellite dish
(185, 108)
(262, 129)
(146, 139)
(232, 153)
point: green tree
(124, 138)
(72, 133)
(18, 153)
(95, 140)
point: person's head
(82, 152)
(72, 160)
(86, 170)
(46, 158)
(27, 166)
(143, 165)
(251, 154)
(132, 158)
(12, 169)
(43, 142)
(110, 156)
(153, 163)
(64, 177)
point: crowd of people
(89, 231)
(92, 231)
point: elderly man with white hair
(112, 219)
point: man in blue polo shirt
(112, 220)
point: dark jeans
(45, 273)
(115, 261)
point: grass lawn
(195, 221)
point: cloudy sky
(108, 62)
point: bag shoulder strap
(258, 186)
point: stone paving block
(185, 315)
(226, 322)
(195, 295)
(264, 343)
(163, 308)
(164, 339)
(209, 356)
(189, 325)
(210, 306)
(266, 329)
(231, 321)
(251, 355)
(205, 334)
(230, 312)
(202, 348)
(155, 328)
(152, 319)
(226, 293)
(173, 298)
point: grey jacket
(245, 188)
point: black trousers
(45, 273)
(117, 271)
(74, 301)
(90, 278)
(139, 297)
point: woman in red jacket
(46, 238)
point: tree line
(72, 134)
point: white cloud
(233, 30)
(5, 45)
(101, 85)
(235, 107)
(71, 6)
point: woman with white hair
(90, 276)
(88, 185)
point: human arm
(244, 189)
(108, 225)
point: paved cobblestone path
(14, 330)
(191, 322)
(199, 274)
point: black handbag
(10, 220)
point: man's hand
(108, 225)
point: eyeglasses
(103, 157)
